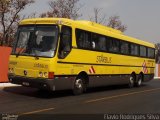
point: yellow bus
(58, 54)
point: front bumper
(40, 83)
(58, 83)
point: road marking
(122, 95)
(37, 111)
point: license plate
(25, 83)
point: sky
(141, 16)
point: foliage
(9, 18)
(158, 53)
(63, 9)
(98, 17)
(113, 22)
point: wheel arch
(84, 75)
(142, 74)
(134, 74)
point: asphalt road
(24, 101)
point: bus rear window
(151, 53)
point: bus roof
(89, 26)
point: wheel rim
(139, 81)
(131, 81)
(78, 84)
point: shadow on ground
(32, 92)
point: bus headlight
(45, 74)
(40, 74)
(11, 70)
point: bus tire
(132, 79)
(79, 86)
(139, 80)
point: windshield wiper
(20, 51)
(35, 55)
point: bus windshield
(36, 40)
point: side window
(100, 42)
(124, 47)
(134, 49)
(151, 53)
(65, 42)
(113, 45)
(95, 41)
(143, 51)
(83, 39)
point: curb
(2, 85)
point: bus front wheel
(79, 86)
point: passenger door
(65, 45)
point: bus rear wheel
(139, 80)
(79, 86)
(132, 80)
